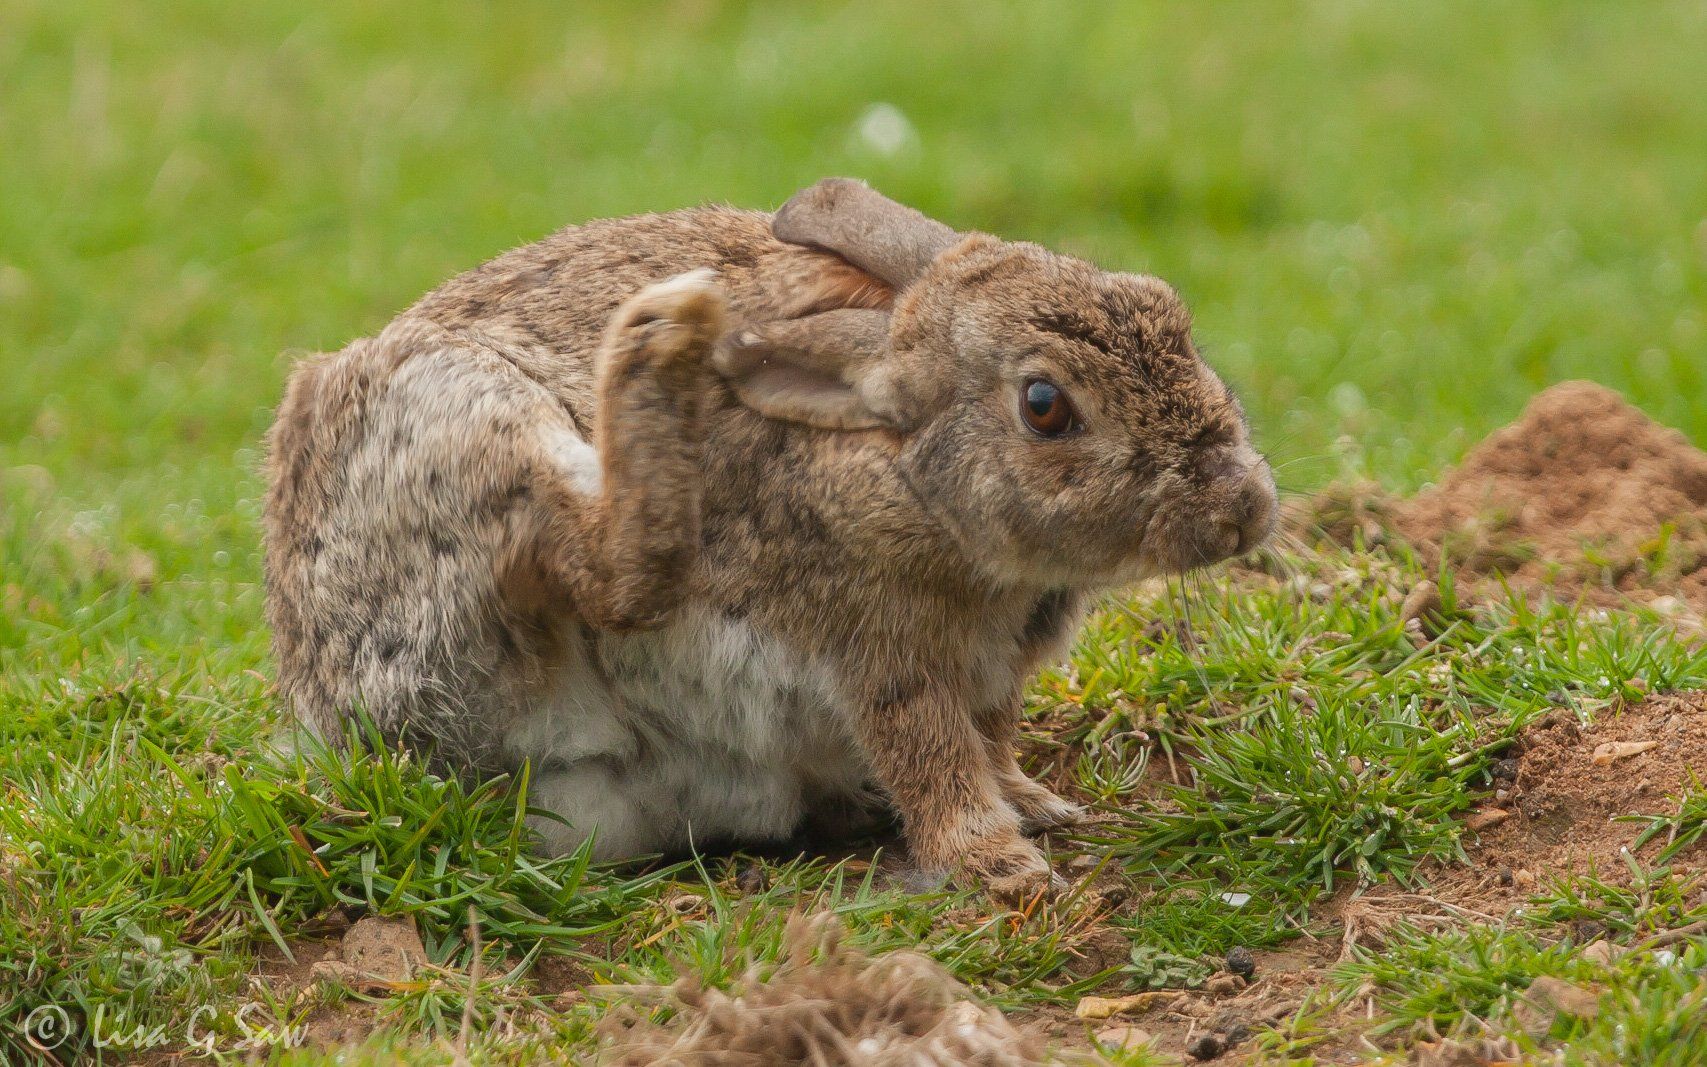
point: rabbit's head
(1054, 417)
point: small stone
(1237, 1034)
(683, 903)
(1223, 984)
(1482, 820)
(1506, 877)
(1206, 1047)
(1241, 962)
(752, 879)
(385, 950)
(1505, 770)
(1547, 998)
(1124, 1037)
(1524, 877)
(1603, 953)
(1613, 751)
(1424, 608)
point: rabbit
(724, 522)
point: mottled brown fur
(427, 560)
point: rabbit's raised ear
(863, 226)
(827, 370)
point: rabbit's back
(547, 303)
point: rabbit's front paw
(1041, 810)
(1011, 868)
(1014, 871)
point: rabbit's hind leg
(405, 471)
(624, 551)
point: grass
(1351, 747)
(1648, 1010)
(1683, 828)
(1393, 227)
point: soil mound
(1583, 489)
(825, 1004)
(1566, 794)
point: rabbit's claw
(1012, 870)
(1041, 811)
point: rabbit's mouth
(1233, 517)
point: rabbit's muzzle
(1236, 512)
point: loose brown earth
(1559, 811)
(1583, 495)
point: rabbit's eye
(1045, 409)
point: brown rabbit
(720, 519)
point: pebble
(1613, 751)
(1424, 609)
(1206, 1047)
(1223, 984)
(1124, 1037)
(1488, 817)
(1241, 962)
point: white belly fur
(703, 729)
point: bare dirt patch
(1583, 493)
(1564, 799)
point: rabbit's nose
(1247, 514)
(1255, 508)
(1239, 510)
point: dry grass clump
(823, 1003)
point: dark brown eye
(1045, 409)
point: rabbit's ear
(824, 370)
(863, 226)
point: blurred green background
(1394, 222)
